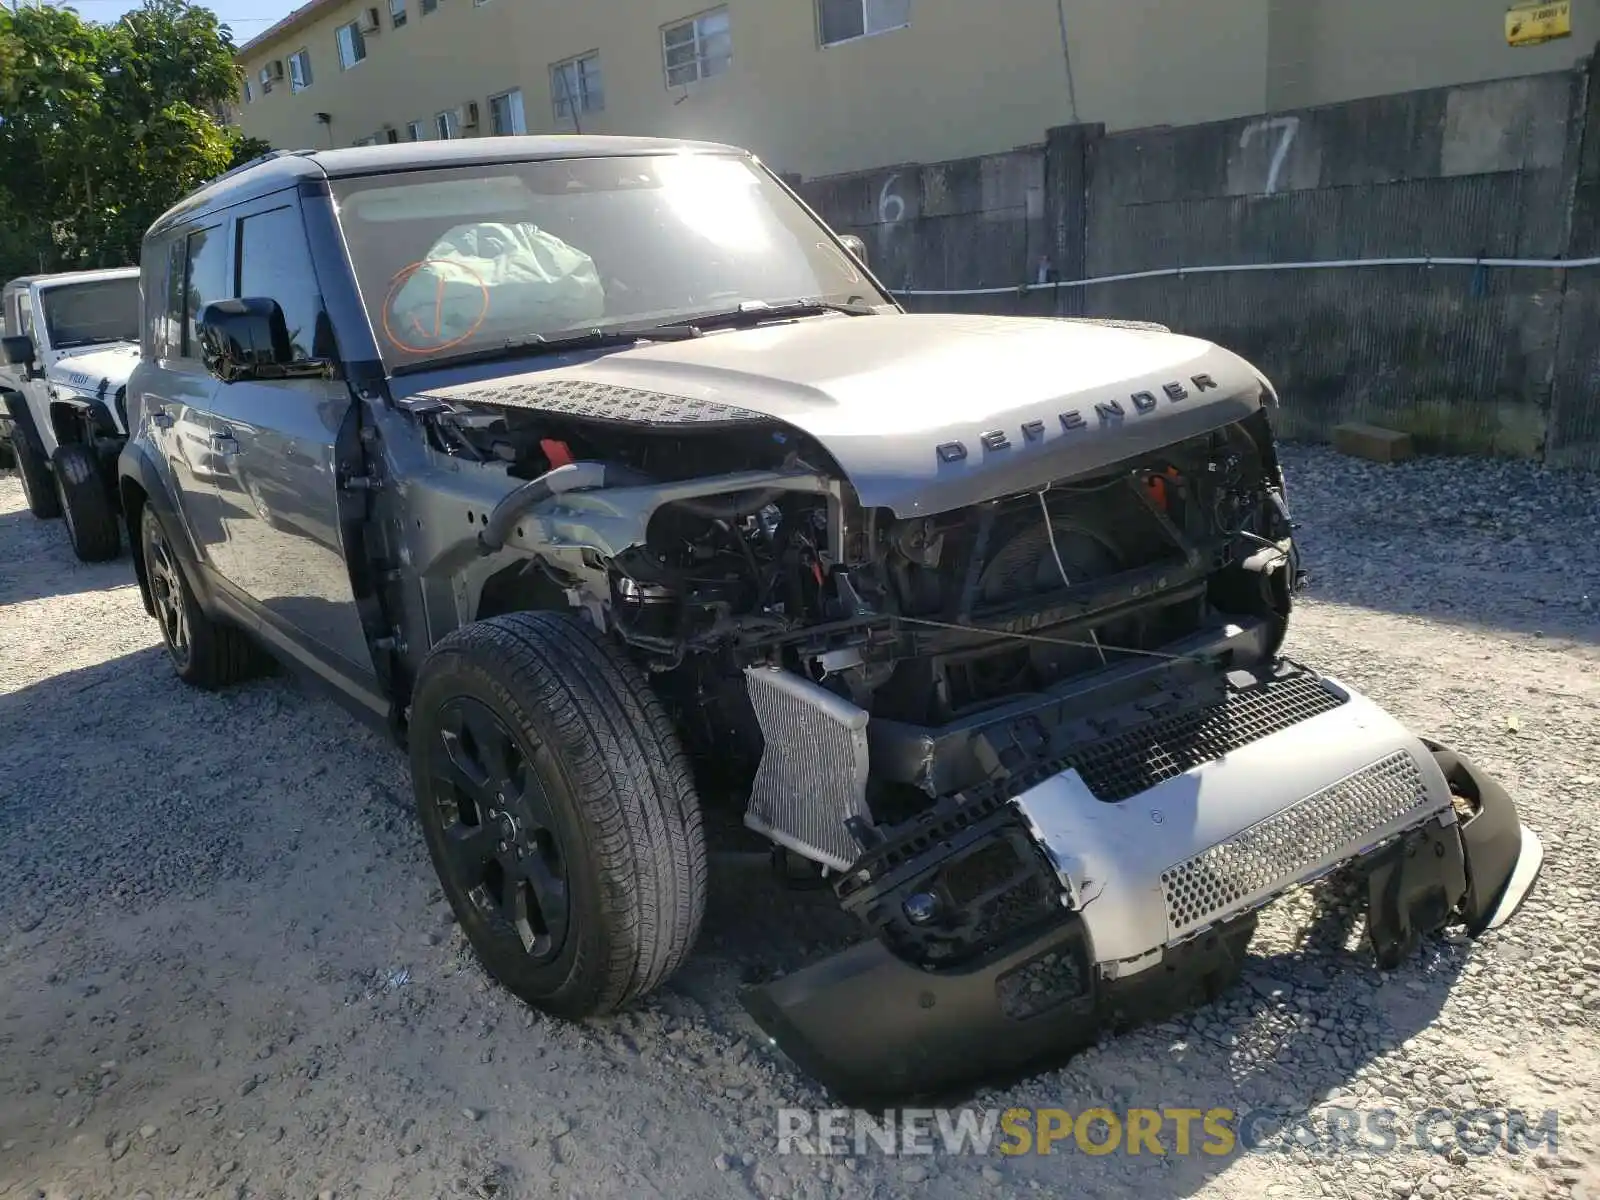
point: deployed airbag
(499, 277)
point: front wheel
(85, 504)
(559, 812)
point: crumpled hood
(923, 412)
(95, 368)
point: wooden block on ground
(1372, 442)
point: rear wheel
(37, 487)
(206, 653)
(85, 504)
(558, 810)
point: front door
(275, 481)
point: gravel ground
(225, 968)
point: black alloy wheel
(168, 590)
(498, 826)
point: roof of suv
(284, 168)
(56, 277)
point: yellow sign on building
(1535, 24)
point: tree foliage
(104, 126)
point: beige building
(825, 86)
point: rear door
(277, 487)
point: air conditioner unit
(469, 115)
(369, 22)
(276, 67)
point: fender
(136, 467)
(22, 418)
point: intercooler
(813, 773)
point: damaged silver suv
(609, 479)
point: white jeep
(71, 341)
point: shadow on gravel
(38, 563)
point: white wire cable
(1338, 264)
(1050, 532)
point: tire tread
(95, 532)
(633, 784)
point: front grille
(1289, 846)
(1136, 761)
(813, 773)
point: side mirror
(19, 352)
(248, 339)
(856, 246)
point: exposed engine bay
(921, 625)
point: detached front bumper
(1159, 892)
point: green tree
(104, 126)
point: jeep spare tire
(559, 811)
(85, 504)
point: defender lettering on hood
(1106, 412)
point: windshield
(469, 258)
(85, 314)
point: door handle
(224, 443)
(162, 418)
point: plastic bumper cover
(1161, 892)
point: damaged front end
(1097, 883)
(1039, 735)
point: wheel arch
(139, 483)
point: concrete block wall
(1501, 361)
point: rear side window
(275, 264)
(163, 310)
(205, 280)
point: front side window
(506, 115)
(698, 48)
(397, 13)
(845, 20)
(299, 70)
(86, 314)
(467, 258)
(575, 86)
(352, 46)
(447, 124)
(205, 278)
(275, 264)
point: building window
(352, 46)
(698, 48)
(299, 70)
(575, 86)
(845, 20)
(506, 115)
(247, 92)
(391, 136)
(265, 77)
(427, 6)
(447, 124)
(397, 13)
(413, 131)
